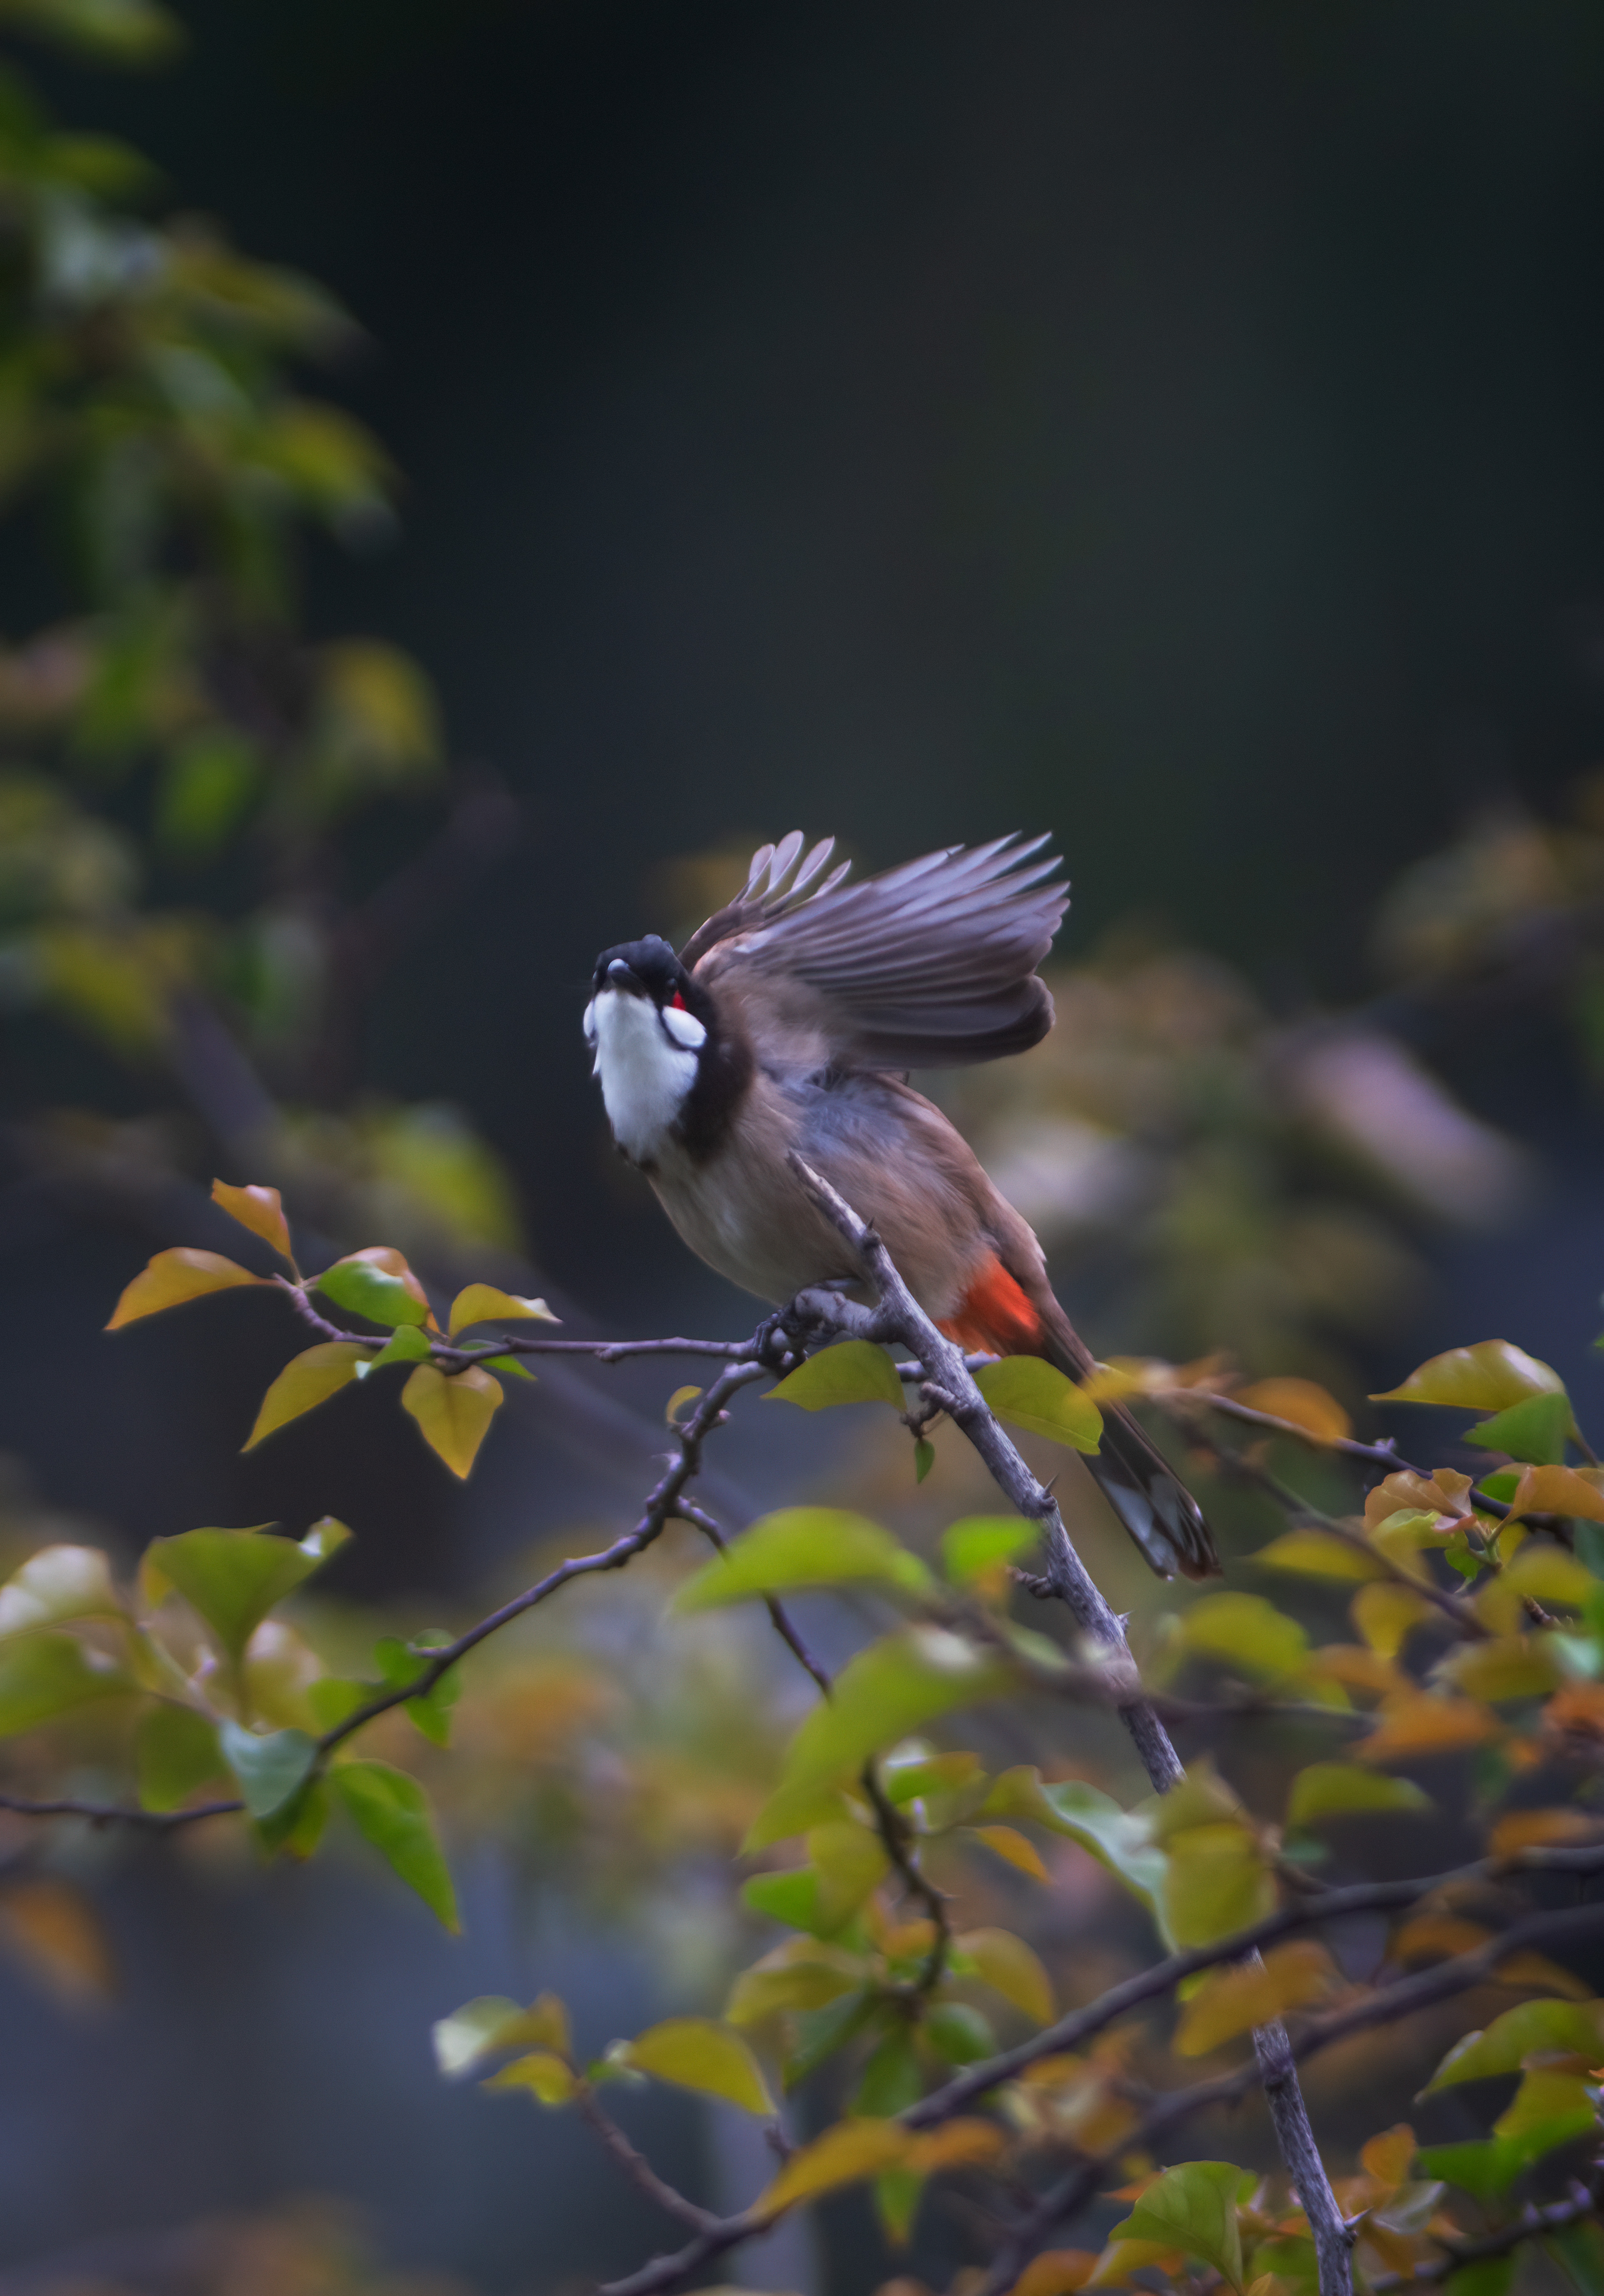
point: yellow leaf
(53, 1930)
(1216, 1882)
(961, 2144)
(1302, 1402)
(1008, 1965)
(1384, 1615)
(1423, 1726)
(453, 1415)
(1056, 2272)
(1319, 1555)
(1510, 1666)
(1533, 1829)
(175, 1276)
(842, 2155)
(698, 2053)
(1541, 1975)
(1557, 1490)
(482, 1303)
(259, 1209)
(783, 1989)
(1035, 1396)
(1233, 2001)
(1387, 2157)
(850, 1860)
(676, 1403)
(1488, 1377)
(306, 1380)
(551, 2081)
(1543, 1572)
(1008, 1842)
(1121, 2258)
(1357, 1666)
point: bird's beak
(621, 977)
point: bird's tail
(1135, 1478)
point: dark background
(1173, 425)
(1170, 424)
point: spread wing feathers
(930, 964)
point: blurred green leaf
(1035, 1396)
(1488, 1377)
(1194, 2209)
(1535, 1430)
(206, 786)
(1579, 2249)
(700, 2053)
(802, 1546)
(307, 1380)
(382, 1297)
(1247, 1633)
(392, 1811)
(176, 1753)
(431, 1711)
(1341, 1789)
(111, 32)
(959, 2033)
(924, 1457)
(58, 1584)
(44, 1675)
(891, 2080)
(543, 2075)
(972, 1549)
(1575, 2027)
(853, 1370)
(271, 1770)
(235, 1578)
(1120, 1840)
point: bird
(786, 1026)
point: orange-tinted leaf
(1357, 1667)
(1233, 2001)
(1541, 1975)
(1488, 1377)
(306, 1380)
(1424, 1725)
(1556, 1490)
(1007, 1842)
(52, 1928)
(1056, 2272)
(175, 1276)
(258, 1208)
(961, 2144)
(1531, 1829)
(1301, 1401)
(1387, 2157)
(453, 1415)
(1508, 1666)
(1436, 1937)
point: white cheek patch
(645, 1077)
(684, 1027)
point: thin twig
(893, 1829)
(1532, 2223)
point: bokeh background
(1175, 427)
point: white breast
(645, 1076)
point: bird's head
(648, 1023)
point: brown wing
(929, 965)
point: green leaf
(1548, 2110)
(1216, 1882)
(510, 1367)
(1579, 2251)
(822, 2032)
(270, 1770)
(58, 1584)
(801, 1547)
(1489, 2276)
(453, 1415)
(490, 2022)
(892, 1688)
(1008, 1965)
(109, 32)
(375, 1292)
(792, 1897)
(431, 1712)
(958, 2033)
(392, 1811)
(1249, 1633)
(44, 1675)
(1035, 1396)
(1319, 1555)
(1484, 2167)
(924, 1457)
(1194, 2209)
(407, 1344)
(854, 1371)
(1338, 1789)
(1572, 2027)
(700, 2053)
(176, 1751)
(234, 1578)
(307, 1380)
(892, 2079)
(972, 1548)
(1488, 1377)
(1535, 1430)
(1120, 1840)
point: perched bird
(787, 1023)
